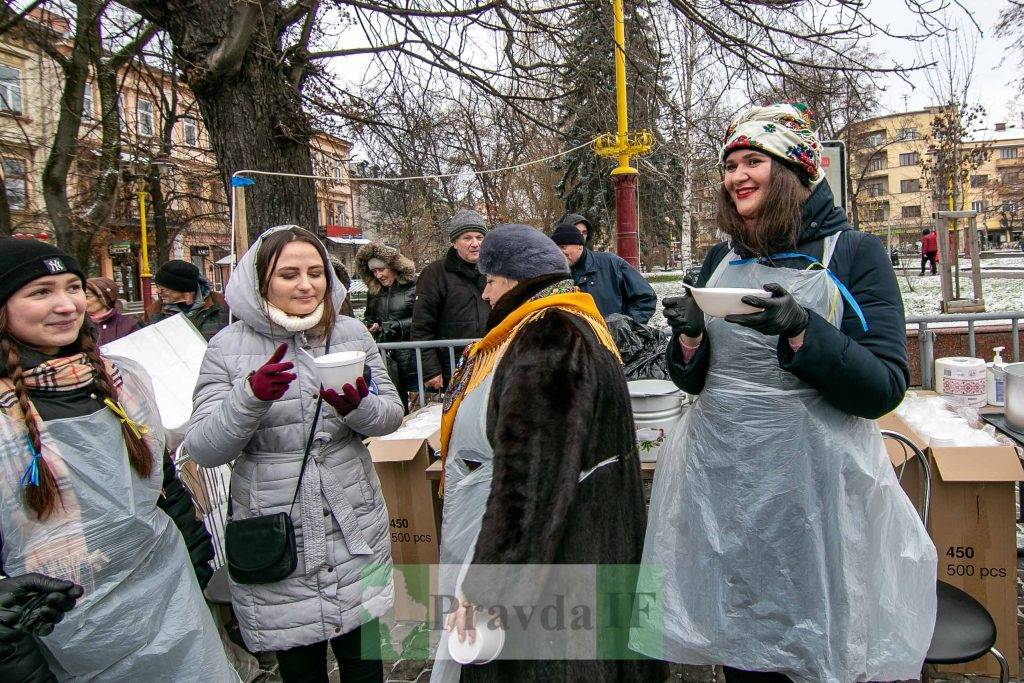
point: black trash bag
(642, 347)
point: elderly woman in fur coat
(390, 280)
(541, 468)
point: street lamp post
(623, 145)
(145, 277)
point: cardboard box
(401, 465)
(972, 520)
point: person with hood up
(537, 437)
(390, 281)
(449, 301)
(256, 406)
(182, 289)
(789, 550)
(580, 222)
(616, 286)
(101, 305)
(84, 501)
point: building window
(88, 113)
(338, 171)
(1008, 153)
(144, 118)
(878, 162)
(10, 89)
(911, 185)
(911, 211)
(876, 188)
(190, 131)
(979, 180)
(910, 159)
(1009, 207)
(979, 206)
(874, 139)
(907, 133)
(16, 184)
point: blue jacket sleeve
(861, 373)
(638, 296)
(690, 376)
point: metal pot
(654, 396)
(1014, 392)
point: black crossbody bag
(262, 549)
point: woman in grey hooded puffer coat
(343, 578)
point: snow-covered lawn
(1000, 294)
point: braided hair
(43, 498)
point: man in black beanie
(615, 285)
(181, 288)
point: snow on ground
(921, 295)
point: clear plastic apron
(143, 617)
(465, 500)
(781, 533)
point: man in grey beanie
(449, 302)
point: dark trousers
(741, 676)
(358, 662)
(926, 258)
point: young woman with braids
(82, 498)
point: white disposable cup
(341, 368)
(942, 440)
(490, 638)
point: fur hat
(466, 220)
(567, 233)
(520, 252)
(402, 267)
(785, 131)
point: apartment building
(890, 194)
(165, 157)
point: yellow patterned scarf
(482, 358)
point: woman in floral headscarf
(789, 550)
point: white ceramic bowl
(719, 302)
(489, 640)
(341, 368)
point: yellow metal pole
(622, 116)
(144, 246)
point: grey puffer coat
(341, 523)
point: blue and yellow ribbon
(31, 475)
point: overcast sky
(994, 72)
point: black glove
(782, 315)
(683, 315)
(33, 603)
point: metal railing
(419, 347)
(926, 336)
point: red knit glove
(350, 397)
(272, 379)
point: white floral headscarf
(785, 130)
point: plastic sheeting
(143, 616)
(642, 347)
(467, 485)
(784, 538)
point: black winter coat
(392, 307)
(449, 305)
(861, 373)
(616, 286)
(558, 406)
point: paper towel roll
(961, 380)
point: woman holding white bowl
(257, 405)
(789, 550)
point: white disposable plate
(719, 302)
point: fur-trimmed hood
(403, 267)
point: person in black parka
(449, 297)
(390, 281)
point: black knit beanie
(567, 233)
(178, 275)
(25, 260)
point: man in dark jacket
(449, 297)
(861, 372)
(390, 281)
(182, 289)
(585, 227)
(615, 285)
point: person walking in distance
(929, 249)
